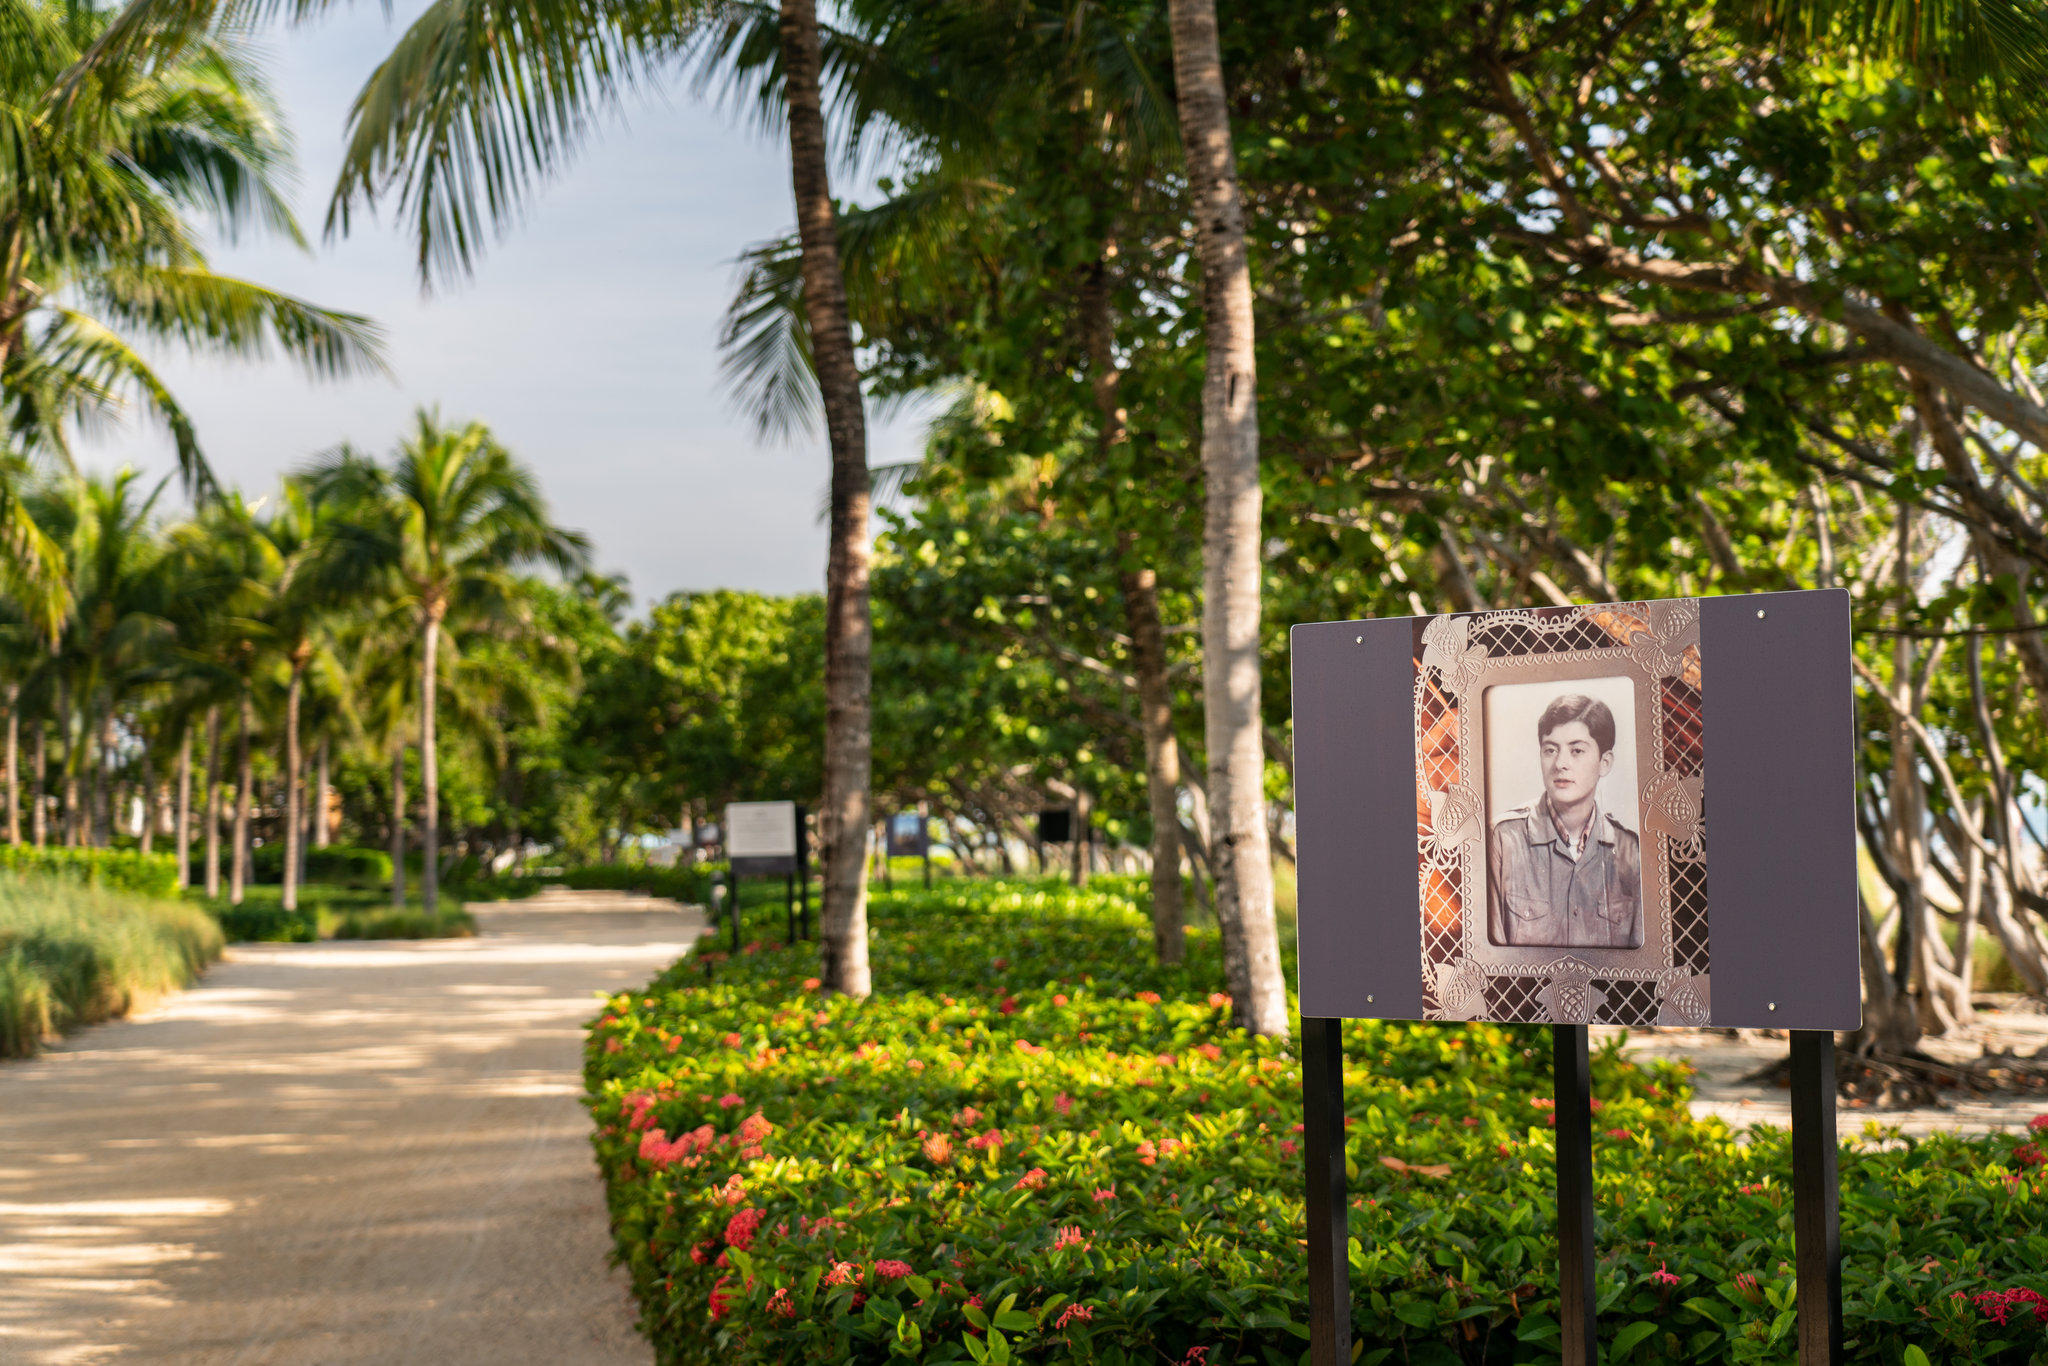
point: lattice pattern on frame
(1437, 769)
(1516, 999)
(1533, 633)
(1627, 1003)
(1682, 720)
(1688, 905)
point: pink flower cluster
(742, 1227)
(1661, 1276)
(1073, 1313)
(1069, 1236)
(1031, 1180)
(887, 1270)
(843, 1273)
(992, 1139)
(658, 1149)
(1999, 1305)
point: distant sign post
(1543, 774)
(763, 839)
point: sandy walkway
(1721, 1063)
(360, 1153)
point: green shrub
(343, 864)
(73, 954)
(125, 870)
(1034, 1144)
(267, 922)
(407, 924)
(691, 885)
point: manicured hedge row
(126, 870)
(692, 884)
(340, 863)
(1034, 1145)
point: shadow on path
(361, 1152)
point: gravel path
(332, 1153)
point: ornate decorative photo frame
(1465, 976)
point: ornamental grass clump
(73, 954)
(1034, 1144)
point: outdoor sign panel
(1056, 825)
(760, 837)
(1503, 815)
(909, 834)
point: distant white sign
(760, 830)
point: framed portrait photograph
(1560, 815)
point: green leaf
(1627, 1338)
(1914, 1357)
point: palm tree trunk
(430, 769)
(292, 834)
(149, 801)
(183, 837)
(322, 773)
(1162, 760)
(213, 802)
(102, 778)
(843, 920)
(39, 811)
(13, 763)
(398, 826)
(1231, 541)
(245, 783)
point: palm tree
(307, 577)
(1232, 563)
(477, 103)
(447, 526)
(118, 156)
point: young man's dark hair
(1599, 721)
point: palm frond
(206, 311)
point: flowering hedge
(1033, 1144)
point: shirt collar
(1549, 832)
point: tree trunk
(1231, 541)
(1162, 759)
(292, 764)
(322, 775)
(39, 809)
(398, 826)
(213, 786)
(149, 802)
(430, 765)
(245, 783)
(101, 832)
(13, 763)
(183, 835)
(1080, 846)
(843, 920)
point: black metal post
(789, 908)
(1329, 1259)
(1573, 1080)
(1816, 1210)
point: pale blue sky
(587, 338)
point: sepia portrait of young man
(1562, 871)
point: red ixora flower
(1662, 1277)
(1150, 998)
(780, 1303)
(1999, 1305)
(741, 1228)
(729, 1100)
(1107, 1194)
(843, 1273)
(2027, 1155)
(1069, 1236)
(1031, 1180)
(1218, 1001)
(2038, 1123)
(721, 1299)
(1073, 1313)
(1008, 1005)
(888, 1270)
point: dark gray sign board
(909, 834)
(1763, 693)
(1056, 825)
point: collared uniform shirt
(1543, 891)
